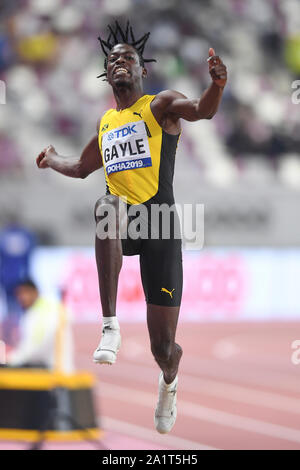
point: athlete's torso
(138, 155)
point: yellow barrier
(35, 403)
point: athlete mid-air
(136, 145)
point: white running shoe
(110, 343)
(166, 410)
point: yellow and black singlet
(138, 160)
(138, 156)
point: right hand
(42, 160)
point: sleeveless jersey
(138, 156)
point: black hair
(26, 283)
(117, 36)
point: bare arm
(171, 105)
(89, 161)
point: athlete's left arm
(175, 105)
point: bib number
(126, 148)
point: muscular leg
(108, 256)
(161, 270)
(162, 324)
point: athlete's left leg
(162, 325)
(161, 270)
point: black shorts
(160, 261)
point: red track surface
(238, 388)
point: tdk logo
(123, 132)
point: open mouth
(121, 70)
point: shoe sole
(110, 363)
(174, 416)
(170, 429)
(104, 362)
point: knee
(106, 203)
(162, 351)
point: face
(123, 66)
(26, 296)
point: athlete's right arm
(89, 161)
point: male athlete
(136, 145)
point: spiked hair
(117, 36)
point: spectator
(16, 246)
(45, 334)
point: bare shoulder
(161, 109)
(165, 97)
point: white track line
(224, 349)
(236, 393)
(215, 388)
(243, 371)
(202, 413)
(139, 432)
(238, 371)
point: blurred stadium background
(244, 166)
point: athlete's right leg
(108, 250)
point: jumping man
(136, 145)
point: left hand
(217, 69)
